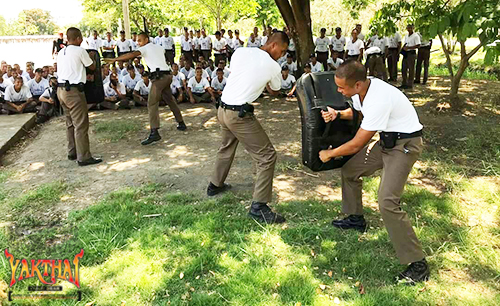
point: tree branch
(474, 51)
(287, 13)
(447, 54)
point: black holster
(246, 108)
(388, 139)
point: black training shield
(94, 90)
(315, 92)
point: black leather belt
(70, 85)
(67, 86)
(405, 135)
(236, 108)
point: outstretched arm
(124, 57)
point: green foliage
(267, 13)
(29, 22)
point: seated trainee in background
(198, 88)
(141, 90)
(218, 84)
(115, 94)
(287, 82)
(49, 102)
(130, 80)
(307, 70)
(180, 79)
(37, 85)
(204, 75)
(18, 98)
(335, 61)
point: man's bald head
(73, 33)
(277, 44)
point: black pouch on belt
(81, 87)
(245, 108)
(388, 139)
(67, 86)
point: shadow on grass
(145, 247)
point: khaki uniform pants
(423, 57)
(77, 122)
(392, 63)
(396, 164)
(376, 66)
(255, 140)
(160, 90)
(408, 69)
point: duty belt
(236, 108)
(68, 86)
(405, 135)
(158, 74)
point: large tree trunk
(297, 16)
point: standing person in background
(394, 47)
(424, 55)
(108, 46)
(219, 47)
(72, 64)
(355, 47)
(94, 42)
(123, 45)
(196, 45)
(412, 43)
(187, 47)
(360, 35)
(156, 40)
(257, 37)
(205, 45)
(291, 46)
(229, 45)
(322, 43)
(238, 43)
(337, 43)
(133, 41)
(58, 44)
(168, 44)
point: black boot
(214, 190)
(263, 213)
(90, 161)
(181, 126)
(356, 222)
(153, 136)
(417, 271)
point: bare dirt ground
(185, 160)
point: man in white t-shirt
(337, 43)
(204, 75)
(108, 46)
(72, 63)
(94, 42)
(388, 111)
(141, 90)
(218, 83)
(167, 42)
(18, 98)
(222, 65)
(198, 88)
(180, 83)
(252, 70)
(49, 102)
(156, 40)
(355, 48)
(375, 60)
(115, 94)
(287, 82)
(37, 85)
(360, 35)
(292, 66)
(4, 83)
(187, 47)
(219, 47)
(130, 80)
(412, 43)
(334, 61)
(252, 42)
(423, 57)
(161, 77)
(322, 44)
(238, 43)
(123, 45)
(133, 41)
(205, 45)
(315, 65)
(394, 49)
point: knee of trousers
(269, 158)
(348, 175)
(389, 205)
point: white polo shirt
(394, 40)
(253, 44)
(107, 44)
(288, 82)
(129, 82)
(205, 43)
(230, 43)
(192, 73)
(110, 92)
(338, 44)
(318, 67)
(380, 42)
(354, 48)
(227, 72)
(335, 64)
(386, 109)
(154, 57)
(12, 95)
(198, 87)
(412, 40)
(322, 44)
(218, 45)
(123, 46)
(219, 85)
(251, 70)
(36, 88)
(180, 77)
(167, 43)
(186, 72)
(291, 67)
(94, 44)
(71, 63)
(237, 44)
(186, 45)
(142, 88)
(133, 44)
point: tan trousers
(255, 140)
(160, 90)
(408, 69)
(392, 63)
(423, 58)
(376, 66)
(396, 164)
(77, 122)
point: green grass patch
(115, 130)
(469, 74)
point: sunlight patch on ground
(121, 166)
(36, 166)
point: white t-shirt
(133, 44)
(361, 36)
(186, 72)
(322, 44)
(335, 64)
(237, 44)
(205, 43)
(186, 45)
(381, 43)
(37, 88)
(71, 63)
(318, 67)
(253, 44)
(386, 109)
(175, 85)
(110, 92)
(412, 40)
(154, 57)
(218, 45)
(196, 43)
(106, 43)
(129, 82)
(263, 40)
(142, 88)
(251, 70)
(198, 87)
(123, 46)
(338, 44)
(47, 92)
(5, 83)
(219, 85)
(354, 48)
(156, 40)
(13, 96)
(372, 39)
(291, 67)
(94, 44)
(394, 40)
(230, 42)
(167, 43)
(227, 72)
(291, 45)
(180, 77)
(192, 73)
(288, 82)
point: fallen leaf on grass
(181, 276)
(422, 289)
(361, 289)
(90, 303)
(330, 273)
(323, 287)
(336, 300)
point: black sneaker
(72, 157)
(416, 82)
(417, 271)
(263, 213)
(403, 87)
(214, 190)
(90, 161)
(153, 136)
(351, 222)
(181, 126)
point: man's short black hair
(122, 32)
(38, 70)
(288, 55)
(134, 33)
(279, 36)
(338, 29)
(217, 32)
(307, 66)
(312, 55)
(145, 74)
(73, 33)
(322, 30)
(198, 68)
(130, 67)
(352, 72)
(285, 68)
(52, 78)
(219, 70)
(237, 31)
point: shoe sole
(145, 144)
(360, 229)
(410, 282)
(212, 194)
